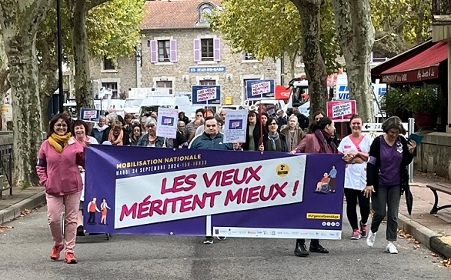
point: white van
(151, 104)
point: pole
(411, 129)
(60, 58)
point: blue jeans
(386, 202)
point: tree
(118, 26)
(356, 35)
(400, 24)
(242, 24)
(4, 71)
(19, 22)
(315, 66)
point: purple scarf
(327, 146)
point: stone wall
(434, 154)
(128, 75)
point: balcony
(441, 12)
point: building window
(204, 11)
(108, 64)
(164, 84)
(207, 49)
(249, 56)
(207, 82)
(112, 87)
(163, 50)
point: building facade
(178, 50)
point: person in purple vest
(389, 156)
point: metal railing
(6, 168)
(441, 10)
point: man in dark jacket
(211, 139)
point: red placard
(282, 93)
(341, 111)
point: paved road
(24, 255)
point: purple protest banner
(140, 190)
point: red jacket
(59, 172)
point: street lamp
(60, 58)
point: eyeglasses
(273, 123)
(150, 125)
(61, 125)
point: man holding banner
(211, 139)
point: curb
(424, 235)
(16, 210)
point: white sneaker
(391, 248)
(370, 239)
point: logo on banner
(167, 121)
(341, 110)
(261, 88)
(282, 170)
(206, 94)
(236, 124)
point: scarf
(273, 138)
(325, 142)
(118, 140)
(100, 129)
(58, 142)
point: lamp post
(60, 58)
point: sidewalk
(433, 231)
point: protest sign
(235, 126)
(167, 122)
(206, 95)
(89, 115)
(260, 89)
(341, 110)
(208, 192)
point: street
(25, 255)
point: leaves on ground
(3, 228)
(25, 212)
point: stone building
(178, 50)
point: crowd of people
(374, 168)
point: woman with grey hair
(389, 156)
(150, 139)
(99, 128)
(293, 133)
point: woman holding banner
(318, 141)
(355, 149)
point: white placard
(235, 126)
(167, 122)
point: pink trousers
(55, 204)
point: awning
(420, 67)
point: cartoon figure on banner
(104, 209)
(92, 208)
(332, 177)
(323, 185)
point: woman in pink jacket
(57, 168)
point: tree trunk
(83, 92)
(78, 11)
(356, 35)
(19, 24)
(315, 67)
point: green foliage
(392, 101)
(401, 23)
(271, 28)
(114, 28)
(425, 99)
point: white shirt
(355, 174)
